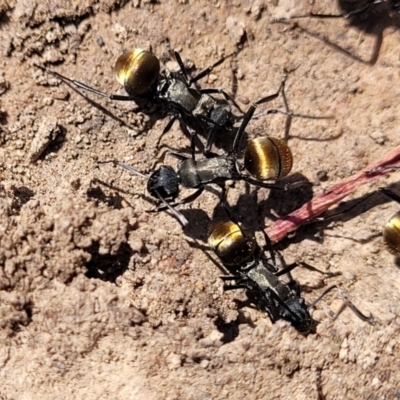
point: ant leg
(303, 264)
(210, 140)
(176, 154)
(170, 207)
(224, 201)
(166, 129)
(239, 285)
(83, 86)
(291, 114)
(355, 310)
(201, 74)
(230, 277)
(347, 302)
(227, 96)
(206, 71)
(233, 287)
(287, 112)
(187, 130)
(271, 251)
(169, 152)
(185, 200)
(193, 136)
(266, 185)
(285, 102)
(184, 73)
(125, 166)
(241, 131)
(271, 97)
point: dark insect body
(252, 270)
(265, 159)
(197, 110)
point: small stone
(235, 29)
(378, 137)
(47, 133)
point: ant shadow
(55, 146)
(315, 230)
(99, 196)
(374, 20)
(249, 210)
(20, 196)
(139, 107)
(107, 267)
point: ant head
(231, 244)
(137, 71)
(299, 316)
(268, 158)
(163, 182)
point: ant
(138, 71)
(265, 158)
(259, 274)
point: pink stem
(334, 194)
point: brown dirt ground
(101, 300)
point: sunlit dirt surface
(100, 299)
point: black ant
(265, 159)
(259, 274)
(138, 71)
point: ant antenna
(181, 218)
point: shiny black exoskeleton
(265, 159)
(138, 71)
(198, 110)
(277, 298)
(253, 271)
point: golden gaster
(230, 243)
(268, 158)
(391, 234)
(137, 71)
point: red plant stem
(334, 194)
